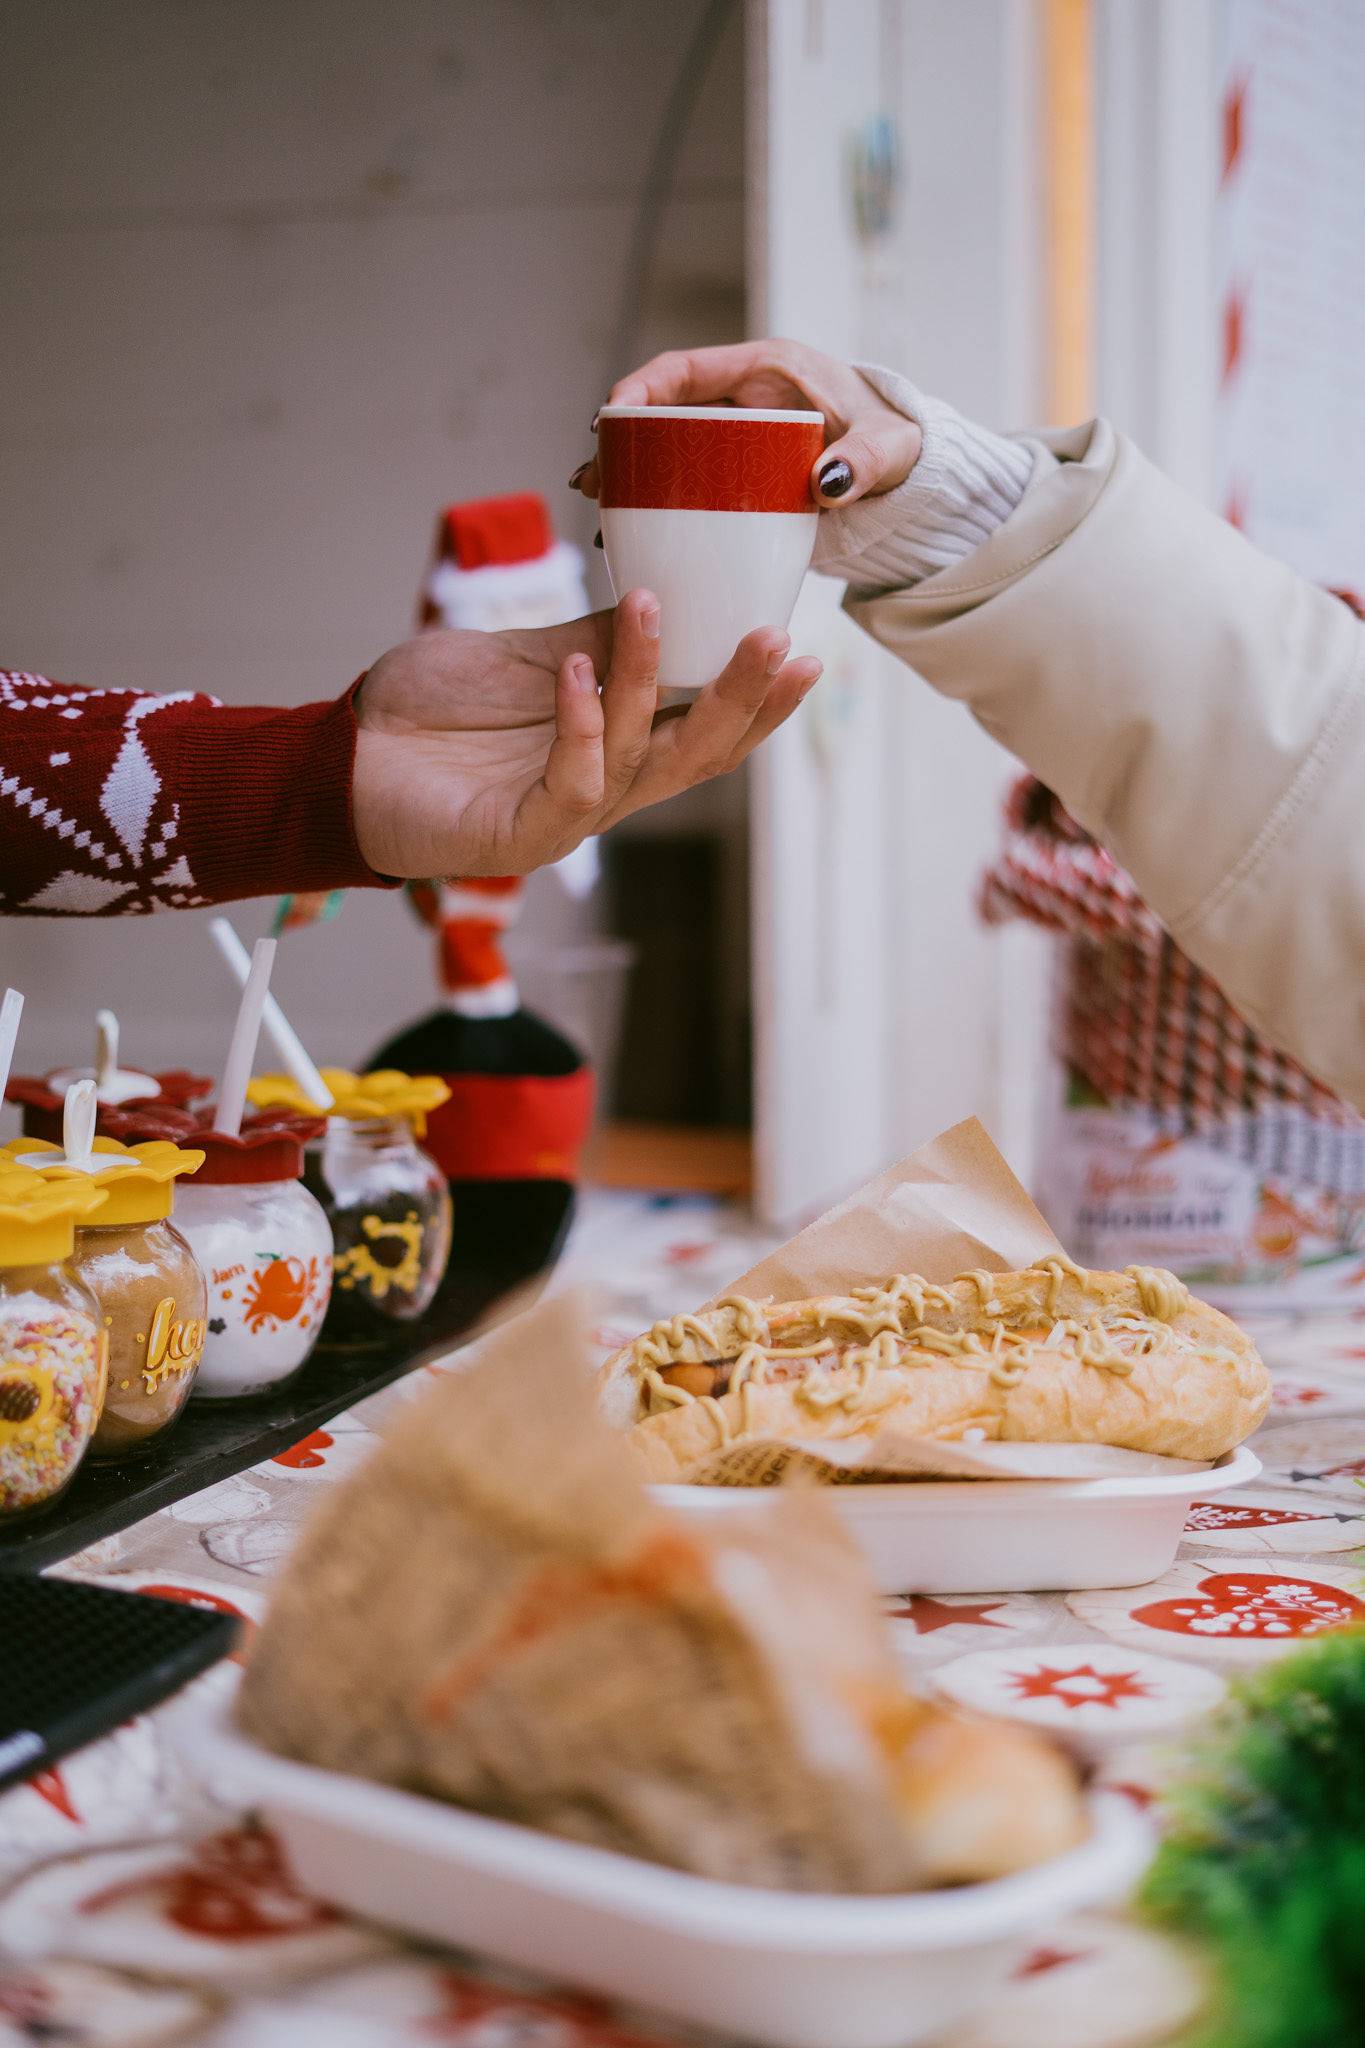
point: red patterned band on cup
(707, 465)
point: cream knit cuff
(966, 483)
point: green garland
(1265, 1859)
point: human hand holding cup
(710, 507)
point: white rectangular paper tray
(792, 1970)
(1004, 1535)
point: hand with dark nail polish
(870, 446)
(597, 538)
(576, 479)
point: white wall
(968, 1006)
(279, 281)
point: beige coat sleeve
(1199, 707)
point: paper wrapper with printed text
(495, 1611)
(951, 1206)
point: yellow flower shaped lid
(38, 1217)
(358, 1097)
(138, 1180)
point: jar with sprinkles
(53, 1352)
(387, 1201)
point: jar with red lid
(264, 1244)
(386, 1200)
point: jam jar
(147, 1281)
(42, 1097)
(266, 1249)
(387, 1201)
(53, 1351)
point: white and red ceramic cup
(709, 507)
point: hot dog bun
(1051, 1354)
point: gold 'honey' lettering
(173, 1345)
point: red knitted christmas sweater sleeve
(116, 802)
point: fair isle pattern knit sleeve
(966, 483)
(117, 802)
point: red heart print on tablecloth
(308, 1453)
(1277, 1526)
(1254, 1606)
(1218, 1514)
(209, 1603)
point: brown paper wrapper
(496, 1611)
(951, 1206)
(889, 1458)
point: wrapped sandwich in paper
(931, 1326)
(495, 1611)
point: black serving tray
(214, 1439)
(81, 1660)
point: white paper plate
(1004, 1535)
(796, 1971)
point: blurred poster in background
(1290, 271)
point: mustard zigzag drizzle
(878, 1314)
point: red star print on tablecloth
(572, 2019)
(928, 1614)
(1081, 1686)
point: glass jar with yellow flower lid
(53, 1351)
(388, 1203)
(148, 1282)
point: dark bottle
(509, 1138)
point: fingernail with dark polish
(576, 479)
(595, 418)
(597, 538)
(835, 479)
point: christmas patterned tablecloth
(134, 1913)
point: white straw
(11, 1010)
(242, 1051)
(80, 1107)
(80, 1120)
(288, 1044)
(106, 1047)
